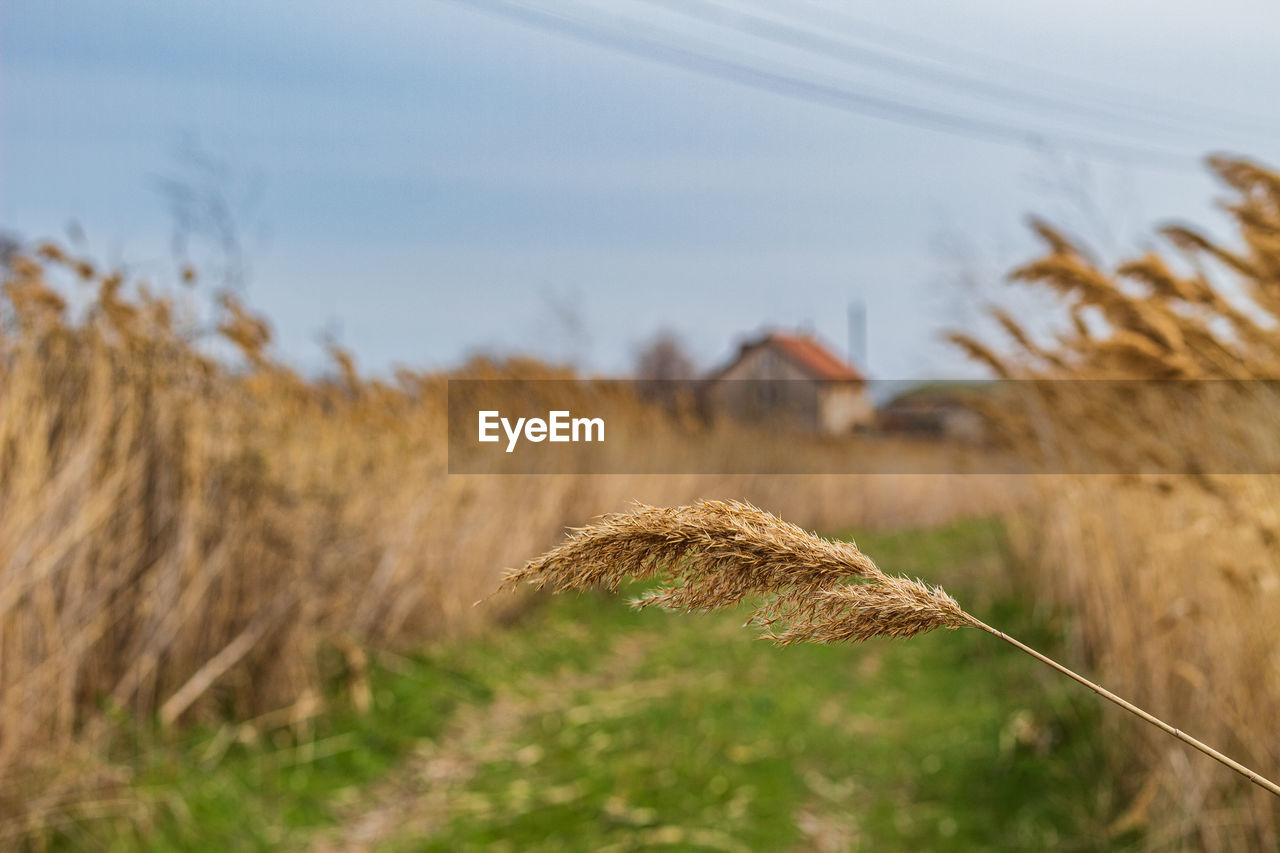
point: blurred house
(792, 381)
(936, 411)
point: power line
(927, 70)
(852, 100)
(1117, 96)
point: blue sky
(435, 180)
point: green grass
(589, 725)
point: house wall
(779, 394)
(765, 362)
(844, 407)
(784, 395)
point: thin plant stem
(1252, 775)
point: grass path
(592, 727)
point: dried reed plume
(717, 554)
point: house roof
(805, 352)
(814, 357)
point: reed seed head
(716, 554)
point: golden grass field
(183, 539)
(188, 538)
(1173, 580)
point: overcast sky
(437, 179)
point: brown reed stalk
(716, 554)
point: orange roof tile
(813, 357)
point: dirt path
(594, 727)
(430, 787)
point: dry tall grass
(1174, 580)
(183, 539)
